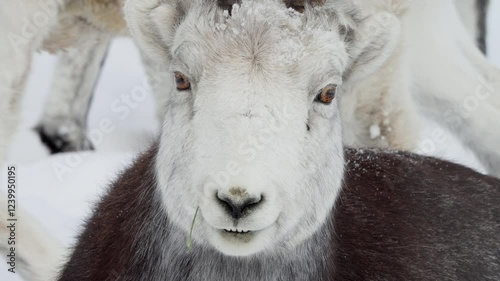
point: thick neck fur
(131, 236)
(399, 217)
(309, 261)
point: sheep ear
(370, 44)
(152, 25)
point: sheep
(378, 114)
(251, 172)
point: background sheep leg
(24, 23)
(63, 124)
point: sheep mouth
(238, 235)
(236, 231)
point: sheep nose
(236, 206)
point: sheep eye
(327, 94)
(182, 82)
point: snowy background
(61, 203)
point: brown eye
(182, 82)
(327, 95)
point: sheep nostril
(237, 208)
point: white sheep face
(248, 143)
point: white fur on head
(249, 126)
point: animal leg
(63, 124)
(24, 24)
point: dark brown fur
(408, 217)
(110, 242)
(399, 217)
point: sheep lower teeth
(236, 231)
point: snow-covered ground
(58, 190)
